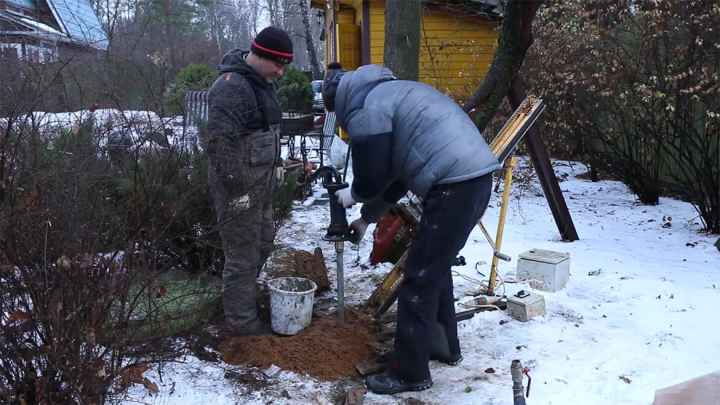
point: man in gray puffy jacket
(405, 136)
(242, 144)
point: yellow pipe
(507, 183)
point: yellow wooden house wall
(455, 51)
(349, 46)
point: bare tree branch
(515, 39)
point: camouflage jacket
(243, 112)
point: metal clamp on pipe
(338, 230)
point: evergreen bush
(192, 77)
(295, 92)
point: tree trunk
(169, 33)
(314, 64)
(502, 81)
(213, 10)
(515, 39)
(254, 14)
(402, 37)
(275, 17)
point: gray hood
(408, 132)
(354, 88)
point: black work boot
(388, 383)
(439, 348)
(451, 360)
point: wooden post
(333, 32)
(543, 168)
(365, 57)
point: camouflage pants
(241, 179)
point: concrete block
(525, 305)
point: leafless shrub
(91, 230)
(632, 89)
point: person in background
(406, 135)
(242, 144)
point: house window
(32, 53)
(40, 53)
(10, 51)
(49, 53)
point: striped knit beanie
(273, 43)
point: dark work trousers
(241, 175)
(450, 211)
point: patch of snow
(144, 130)
(638, 313)
(190, 381)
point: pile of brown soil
(299, 263)
(326, 349)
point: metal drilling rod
(339, 247)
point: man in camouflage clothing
(242, 143)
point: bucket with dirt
(291, 304)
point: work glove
(345, 198)
(357, 230)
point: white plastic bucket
(291, 304)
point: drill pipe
(339, 247)
(516, 372)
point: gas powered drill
(338, 231)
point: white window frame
(44, 52)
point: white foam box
(550, 269)
(527, 307)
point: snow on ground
(52, 121)
(191, 381)
(145, 129)
(637, 314)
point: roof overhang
(79, 21)
(23, 26)
(487, 8)
(491, 9)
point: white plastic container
(291, 304)
(546, 269)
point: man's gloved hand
(357, 230)
(345, 198)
